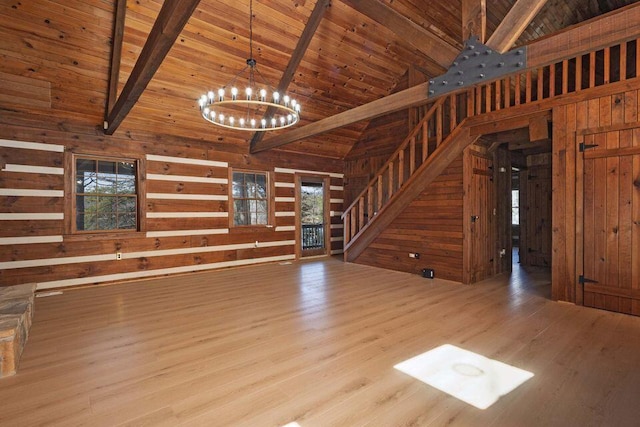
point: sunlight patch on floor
(470, 377)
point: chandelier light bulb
(253, 123)
(263, 122)
(241, 122)
(249, 91)
(231, 120)
(234, 93)
(273, 122)
(286, 100)
(221, 94)
(221, 118)
(276, 97)
(263, 94)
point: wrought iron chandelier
(257, 107)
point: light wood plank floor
(315, 342)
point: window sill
(251, 228)
(116, 235)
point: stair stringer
(434, 165)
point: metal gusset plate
(477, 63)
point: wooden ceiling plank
(513, 25)
(425, 41)
(474, 19)
(171, 20)
(413, 96)
(298, 53)
(116, 53)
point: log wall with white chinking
(184, 210)
(596, 201)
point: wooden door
(482, 210)
(535, 228)
(611, 221)
(313, 233)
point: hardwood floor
(315, 342)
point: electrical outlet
(414, 255)
(118, 256)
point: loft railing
(312, 236)
(608, 65)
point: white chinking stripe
(285, 184)
(331, 174)
(285, 214)
(337, 239)
(29, 240)
(140, 254)
(174, 196)
(336, 188)
(30, 193)
(186, 161)
(187, 214)
(285, 199)
(335, 213)
(30, 216)
(9, 167)
(286, 228)
(175, 233)
(185, 178)
(161, 271)
(336, 226)
(337, 252)
(31, 145)
(336, 200)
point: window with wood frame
(105, 194)
(250, 198)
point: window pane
(126, 184)
(126, 168)
(126, 204)
(86, 182)
(250, 184)
(107, 221)
(85, 165)
(240, 218)
(261, 186)
(127, 221)
(106, 167)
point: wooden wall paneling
(431, 226)
(502, 179)
(635, 237)
(559, 270)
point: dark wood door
(481, 193)
(536, 225)
(612, 221)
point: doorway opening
(313, 216)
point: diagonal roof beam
(116, 53)
(171, 20)
(411, 97)
(425, 41)
(513, 25)
(303, 43)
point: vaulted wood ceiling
(351, 59)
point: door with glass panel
(313, 216)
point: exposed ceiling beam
(407, 98)
(474, 19)
(514, 24)
(116, 54)
(618, 25)
(303, 43)
(171, 20)
(424, 40)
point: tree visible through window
(250, 198)
(515, 207)
(106, 195)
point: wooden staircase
(443, 132)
